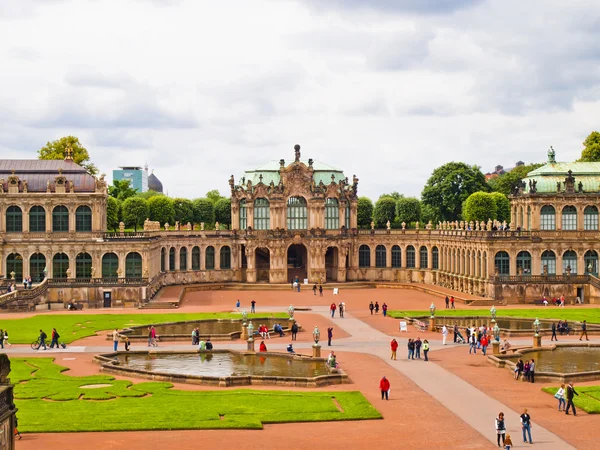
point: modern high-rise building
(137, 176)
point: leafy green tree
(148, 194)
(591, 150)
(223, 212)
(408, 210)
(385, 209)
(135, 212)
(507, 182)
(113, 207)
(214, 196)
(184, 210)
(428, 214)
(395, 195)
(449, 186)
(502, 206)
(161, 209)
(121, 190)
(204, 211)
(364, 212)
(57, 150)
(479, 206)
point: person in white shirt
(444, 334)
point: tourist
(394, 347)
(584, 331)
(332, 360)
(500, 428)
(411, 349)
(253, 306)
(560, 396)
(277, 328)
(545, 301)
(376, 307)
(532, 371)
(570, 392)
(332, 309)
(294, 331)
(384, 387)
(562, 301)
(24, 283)
(484, 344)
(425, 349)
(195, 336)
(472, 344)
(263, 346)
(54, 338)
(297, 281)
(5, 339)
(526, 425)
(209, 345)
(526, 371)
(384, 308)
(371, 307)
(237, 305)
(506, 346)
(320, 290)
(202, 345)
(341, 307)
(329, 335)
(127, 344)
(452, 302)
(418, 348)
(290, 349)
(553, 338)
(315, 289)
(455, 332)
(154, 337)
(519, 367)
(444, 334)
(447, 301)
(116, 336)
(29, 282)
(508, 442)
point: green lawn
(77, 326)
(50, 401)
(592, 315)
(588, 398)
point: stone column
(316, 348)
(177, 258)
(537, 341)
(342, 215)
(218, 258)
(417, 257)
(235, 215)
(251, 262)
(71, 218)
(25, 219)
(580, 209)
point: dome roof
(154, 183)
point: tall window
(549, 261)
(14, 263)
(569, 218)
(524, 263)
(209, 254)
(243, 215)
(380, 256)
(14, 219)
(435, 258)
(110, 265)
(297, 214)
(262, 214)
(163, 254)
(529, 217)
(570, 260)
(37, 264)
(60, 219)
(172, 259)
(133, 265)
(225, 258)
(590, 218)
(396, 256)
(83, 266)
(183, 258)
(547, 218)
(60, 264)
(502, 263)
(410, 257)
(364, 256)
(83, 218)
(591, 262)
(347, 216)
(37, 219)
(332, 214)
(196, 258)
(423, 257)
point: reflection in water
(206, 327)
(565, 359)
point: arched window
(262, 214)
(37, 219)
(297, 215)
(172, 259)
(549, 262)
(210, 258)
(60, 264)
(133, 265)
(110, 265)
(225, 257)
(14, 263)
(591, 262)
(83, 266)
(570, 262)
(364, 256)
(435, 258)
(60, 219)
(380, 256)
(524, 263)
(410, 257)
(183, 258)
(590, 218)
(83, 218)
(396, 256)
(163, 254)
(37, 264)
(196, 258)
(14, 219)
(547, 218)
(243, 215)
(502, 263)
(332, 214)
(569, 218)
(423, 257)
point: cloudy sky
(201, 89)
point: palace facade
(289, 219)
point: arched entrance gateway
(297, 262)
(263, 264)
(331, 264)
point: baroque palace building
(296, 219)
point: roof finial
(551, 156)
(297, 152)
(69, 153)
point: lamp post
(537, 338)
(316, 347)
(244, 324)
(250, 337)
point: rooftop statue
(551, 156)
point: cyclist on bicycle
(42, 339)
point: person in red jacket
(484, 343)
(384, 386)
(263, 346)
(394, 346)
(332, 309)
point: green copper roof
(588, 173)
(270, 172)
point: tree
(214, 196)
(204, 211)
(428, 214)
(135, 212)
(57, 150)
(385, 209)
(408, 210)
(113, 207)
(479, 206)
(449, 186)
(364, 212)
(502, 206)
(121, 190)
(148, 194)
(591, 151)
(395, 195)
(161, 209)
(184, 210)
(507, 182)
(223, 212)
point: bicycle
(35, 345)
